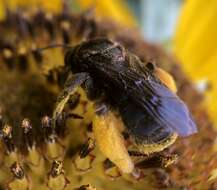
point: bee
(129, 94)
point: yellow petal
(195, 45)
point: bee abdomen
(148, 135)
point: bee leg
(71, 86)
(109, 139)
(157, 160)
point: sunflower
(194, 45)
(36, 156)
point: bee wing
(159, 102)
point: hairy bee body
(120, 83)
(150, 111)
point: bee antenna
(53, 46)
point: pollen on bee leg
(166, 78)
(111, 142)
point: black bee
(127, 93)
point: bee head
(95, 52)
